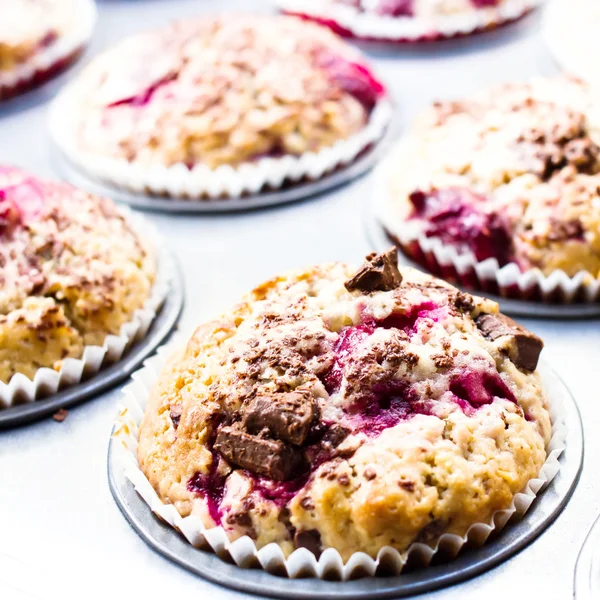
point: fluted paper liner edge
(47, 381)
(410, 29)
(508, 281)
(202, 183)
(65, 47)
(301, 562)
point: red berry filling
(349, 339)
(211, 486)
(484, 3)
(353, 336)
(144, 96)
(381, 407)
(479, 388)
(385, 407)
(405, 8)
(20, 204)
(352, 77)
(279, 492)
(408, 322)
(385, 404)
(455, 216)
(396, 8)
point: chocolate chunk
(241, 519)
(369, 473)
(525, 347)
(60, 415)
(307, 504)
(432, 531)
(379, 272)
(333, 443)
(464, 302)
(582, 153)
(287, 416)
(409, 486)
(335, 435)
(270, 458)
(175, 412)
(569, 230)
(311, 540)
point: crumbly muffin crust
(223, 91)
(28, 26)
(72, 271)
(348, 409)
(512, 173)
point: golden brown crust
(425, 425)
(523, 159)
(72, 271)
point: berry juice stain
(211, 486)
(454, 216)
(354, 78)
(20, 203)
(479, 388)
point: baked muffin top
(28, 26)
(346, 408)
(223, 91)
(71, 272)
(512, 173)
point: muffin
(72, 271)
(408, 20)
(348, 408)
(220, 106)
(511, 174)
(39, 38)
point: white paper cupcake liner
(301, 562)
(463, 268)
(45, 63)
(201, 182)
(47, 381)
(348, 21)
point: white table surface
(61, 534)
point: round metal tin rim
(522, 308)
(106, 378)
(584, 567)
(514, 537)
(292, 193)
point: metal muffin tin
(515, 536)
(108, 377)
(289, 192)
(587, 569)
(510, 306)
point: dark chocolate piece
(311, 540)
(582, 153)
(464, 302)
(270, 458)
(334, 436)
(431, 531)
(379, 272)
(175, 412)
(60, 415)
(287, 416)
(525, 347)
